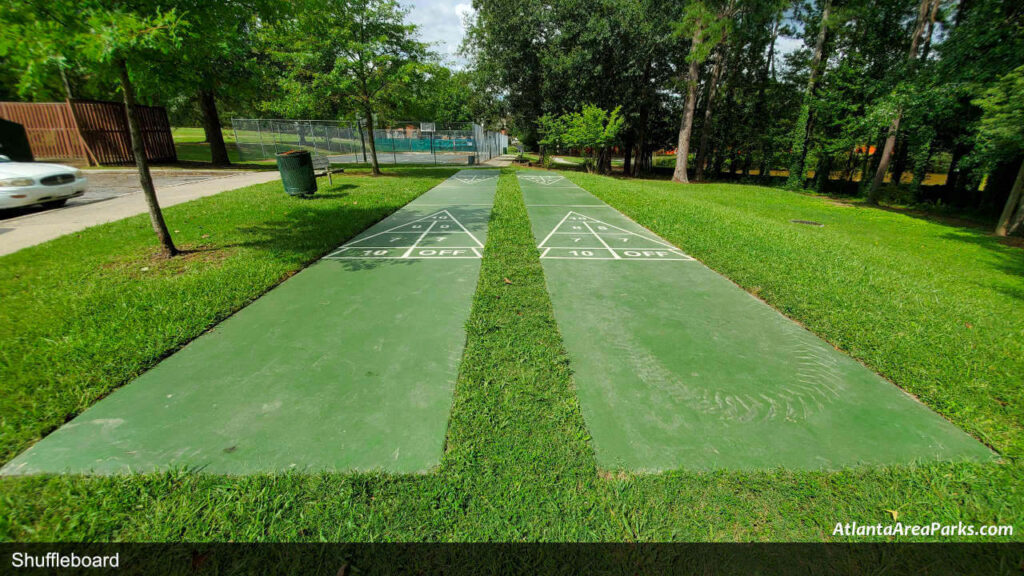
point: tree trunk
(627, 155)
(875, 192)
(801, 129)
(870, 164)
(604, 161)
(890, 142)
(899, 163)
(822, 172)
(763, 167)
(953, 179)
(368, 116)
(865, 165)
(920, 168)
(683, 145)
(705, 131)
(931, 30)
(1015, 203)
(156, 217)
(211, 126)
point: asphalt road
(108, 184)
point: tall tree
(706, 29)
(360, 52)
(216, 60)
(705, 133)
(112, 38)
(924, 8)
(801, 131)
(1001, 136)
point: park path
(31, 229)
(348, 365)
(500, 161)
(677, 367)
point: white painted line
(541, 179)
(589, 222)
(353, 241)
(404, 258)
(687, 259)
(480, 244)
(626, 231)
(411, 248)
(404, 247)
(557, 226)
(601, 240)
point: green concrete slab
(677, 367)
(348, 365)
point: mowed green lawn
(935, 308)
(190, 145)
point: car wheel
(56, 203)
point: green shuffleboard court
(677, 367)
(348, 365)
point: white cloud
(441, 25)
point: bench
(322, 167)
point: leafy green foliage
(90, 35)
(592, 129)
(1001, 129)
(710, 26)
(344, 57)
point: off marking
(579, 237)
(439, 235)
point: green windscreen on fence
(347, 141)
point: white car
(27, 183)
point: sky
(440, 23)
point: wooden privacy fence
(90, 130)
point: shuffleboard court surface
(348, 365)
(677, 367)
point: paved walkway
(501, 161)
(32, 229)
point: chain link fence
(342, 141)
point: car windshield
(4, 158)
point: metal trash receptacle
(296, 168)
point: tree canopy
(882, 98)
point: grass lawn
(518, 464)
(190, 145)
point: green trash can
(296, 168)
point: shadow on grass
(309, 231)
(1008, 259)
(335, 192)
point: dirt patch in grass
(1013, 241)
(154, 261)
